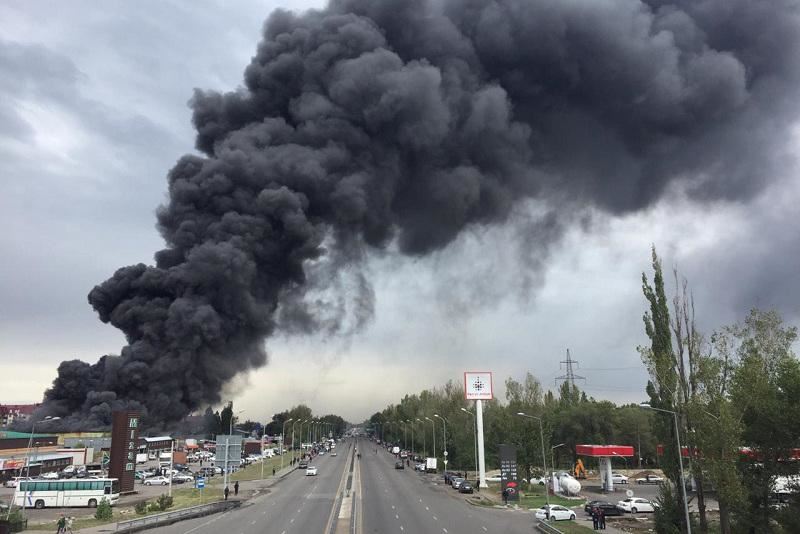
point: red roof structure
(600, 451)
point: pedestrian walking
(69, 525)
(595, 518)
(273, 471)
(62, 523)
(226, 492)
(236, 488)
(505, 497)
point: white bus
(59, 493)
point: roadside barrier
(547, 528)
(167, 518)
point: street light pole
(680, 462)
(411, 422)
(434, 434)
(552, 461)
(474, 442)
(424, 443)
(283, 445)
(444, 427)
(544, 462)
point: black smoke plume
(378, 122)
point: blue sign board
(200, 483)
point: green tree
(103, 511)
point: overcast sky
(92, 115)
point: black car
(465, 487)
(607, 507)
(399, 465)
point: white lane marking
(444, 530)
(284, 532)
(435, 518)
(252, 522)
(427, 509)
(485, 529)
(401, 527)
(396, 516)
(291, 520)
(392, 507)
(264, 512)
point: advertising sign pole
(478, 387)
(481, 457)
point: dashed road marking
(252, 522)
(435, 518)
(444, 530)
(485, 529)
(401, 527)
(396, 516)
(427, 509)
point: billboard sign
(229, 453)
(124, 444)
(478, 385)
(509, 481)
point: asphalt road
(404, 501)
(298, 504)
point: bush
(164, 502)
(141, 507)
(103, 511)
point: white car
(334, 453)
(52, 475)
(635, 505)
(180, 478)
(155, 481)
(557, 513)
(311, 470)
(14, 482)
(619, 478)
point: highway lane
(296, 505)
(403, 501)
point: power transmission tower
(570, 375)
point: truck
(430, 465)
(395, 450)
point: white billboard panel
(478, 385)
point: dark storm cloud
(377, 122)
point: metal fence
(547, 528)
(167, 518)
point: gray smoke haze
(400, 122)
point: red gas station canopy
(599, 451)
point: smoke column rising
(370, 123)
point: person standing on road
(595, 518)
(236, 488)
(505, 497)
(226, 492)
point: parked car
(419, 467)
(607, 507)
(181, 478)
(207, 471)
(52, 475)
(455, 482)
(465, 487)
(619, 478)
(650, 479)
(155, 481)
(399, 465)
(311, 470)
(557, 513)
(635, 505)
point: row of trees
(568, 416)
(219, 422)
(736, 397)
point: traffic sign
(445, 453)
(200, 483)
(629, 493)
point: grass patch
(253, 471)
(537, 501)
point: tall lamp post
(680, 461)
(444, 427)
(283, 445)
(544, 462)
(411, 422)
(424, 443)
(552, 461)
(474, 440)
(434, 434)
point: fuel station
(605, 453)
